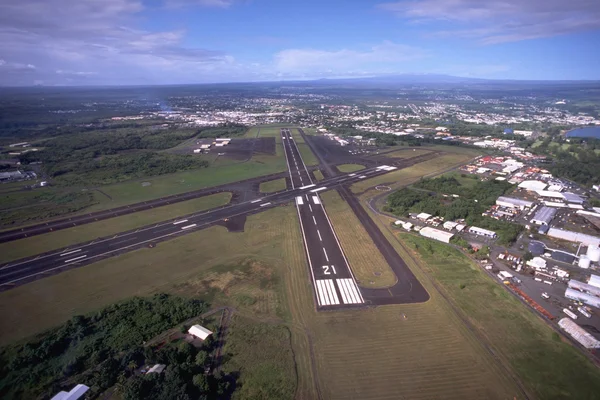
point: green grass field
(550, 368)
(403, 177)
(307, 155)
(318, 175)
(407, 153)
(273, 186)
(367, 263)
(346, 168)
(467, 180)
(14, 250)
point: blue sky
(120, 42)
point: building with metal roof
(74, 394)
(594, 280)
(511, 202)
(583, 297)
(544, 216)
(563, 256)
(532, 185)
(423, 216)
(199, 331)
(436, 234)
(576, 237)
(582, 336)
(156, 369)
(536, 248)
(573, 198)
(584, 287)
(482, 232)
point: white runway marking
(351, 174)
(319, 233)
(325, 252)
(265, 204)
(308, 186)
(333, 297)
(188, 226)
(75, 259)
(349, 290)
(299, 200)
(256, 201)
(316, 200)
(326, 292)
(310, 207)
(70, 252)
(180, 222)
(318, 189)
(314, 220)
(362, 176)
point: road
(32, 268)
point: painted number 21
(326, 269)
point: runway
(32, 268)
(334, 285)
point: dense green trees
(470, 205)
(106, 344)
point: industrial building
(482, 232)
(199, 331)
(587, 240)
(594, 281)
(11, 175)
(423, 216)
(532, 185)
(579, 334)
(156, 369)
(544, 216)
(583, 297)
(74, 394)
(584, 287)
(436, 234)
(450, 225)
(511, 202)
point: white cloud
(503, 21)
(378, 59)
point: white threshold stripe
(180, 222)
(188, 226)
(265, 204)
(70, 252)
(318, 189)
(308, 186)
(344, 292)
(76, 258)
(327, 293)
(324, 299)
(332, 294)
(353, 290)
(344, 283)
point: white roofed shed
(199, 331)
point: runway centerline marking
(319, 233)
(180, 222)
(75, 259)
(70, 252)
(314, 220)
(325, 252)
(265, 204)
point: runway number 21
(326, 269)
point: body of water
(587, 132)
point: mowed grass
(318, 175)
(549, 367)
(273, 186)
(17, 249)
(407, 153)
(346, 168)
(411, 174)
(307, 155)
(466, 181)
(367, 262)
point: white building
(579, 334)
(583, 297)
(156, 369)
(436, 234)
(74, 394)
(199, 331)
(532, 185)
(544, 216)
(523, 133)
(594, 281)
(576, 237)
(450, 225)
(511, 202)
(423, 216)
(482, 232)
(537, 263)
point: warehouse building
(573, 198)
(579, 334)
(199, 331)
(594, 281)
(587, 240)
(584, 287)
(74, 394)
(450, 225)
(482, 232)
(544, 216)
(583, 297)
(423, 216)
(436, 234)
(532, 185)
(511, 202)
